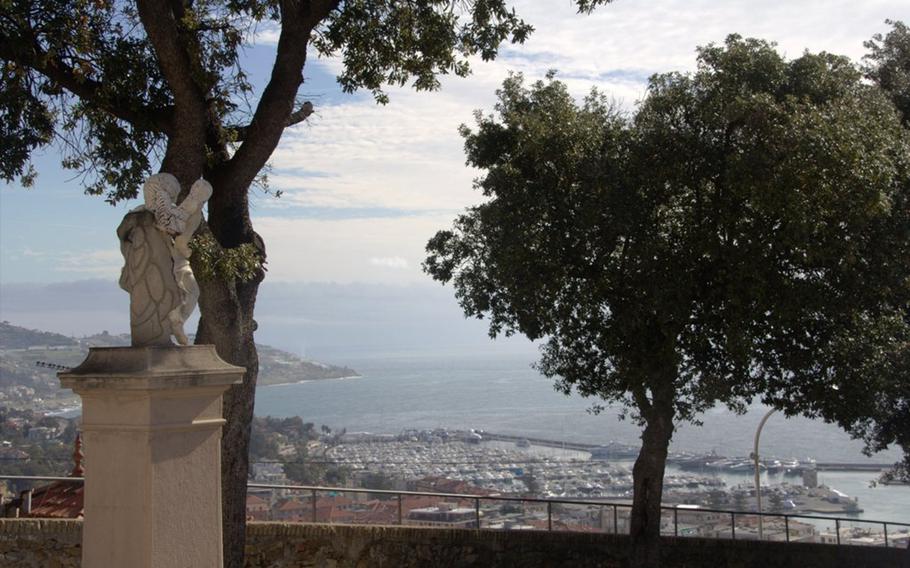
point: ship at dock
(721, 464)
(614, 451)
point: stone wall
(286, 545)
(40, 543)
(31, 543)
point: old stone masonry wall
(39, 543)
(31, 543)
(284, 545)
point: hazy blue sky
(365, 186)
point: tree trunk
(228, 323)
(196, 147)
(648, 479)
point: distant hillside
(105, 339)
(279, 367)
(22, 380)
(15, 337)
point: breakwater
(625, 451)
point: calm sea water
(508, 396)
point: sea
(506, 395)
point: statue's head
(163, 182)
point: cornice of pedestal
(151, 368)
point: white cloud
(408, 154)
(353, 155)
(100, 263)
(661, 35)
(400, 168)
(92, 263)
(28, 252)
(265, 33)
(386, 250)
(389, 262)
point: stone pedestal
(151, 422)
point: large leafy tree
(124, 88)
(877, 408)
(888, 65)
(880, 412)
(736, 237)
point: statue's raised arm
(154, 241)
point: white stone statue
(154, 241)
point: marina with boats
(698, 462)
(515, 465)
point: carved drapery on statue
(154, 241)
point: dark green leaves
(888, 65)
(83, 74)
(390, 42)
(78, 74)
(743, 235)
(26, 123)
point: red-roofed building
(447, 515)
(378, 512)
(59, 500)
(445, 485)
(293, 510)
(257, 508)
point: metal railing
(614, 508)
(551, 505)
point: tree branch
(86, 89)
(300, 114)
(185, 155)
(296, 117)
(275, 108)
(161, 26)
(640, 396)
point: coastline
(300, 382)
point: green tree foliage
(378, 480)
(777, 502)
(885, 414)
(739, 501)
(123, 88)
(717, 498)
(305, 469)
(88, 75)
(888, 65)
(302, 469)
(268, 434)
(742, 234)
(263, 444)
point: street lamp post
(757, 471)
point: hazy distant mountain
(323, 321)
(22, 349)
(15, 337)
(278, 367)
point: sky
(364, 185)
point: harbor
(505, 403)
(519, 466)
(710, 462)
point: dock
(582, 447)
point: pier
(581, 447)
(577, 446)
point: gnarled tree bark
(648, 476)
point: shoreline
(345, 378)
(73, 410)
